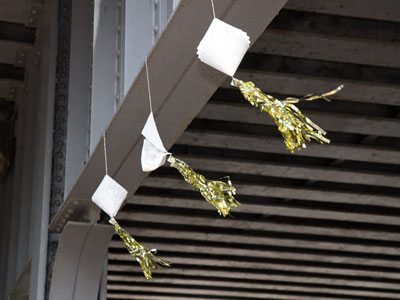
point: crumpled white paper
(154, 154)
(109, 196)
(223, 47)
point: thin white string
(148, 83)
(213, 9)
(105, 152)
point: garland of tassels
(295, 127)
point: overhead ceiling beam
(388, 9)
(249, 283)
(9, 89)
(328, 121)
(300, 85)
(181, 85)
(285, 191)
(318, 46)
(283, 170)
(269, 226)
(185, 247)
(229, 274)
(14, 53)
(267, 292)
(269, 144)
(129, 263)
(20, 11)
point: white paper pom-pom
(152, 157)
(109, 196)
(153, 150)
(223, 47)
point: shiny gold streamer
(218, 193)
(295, 127)
(146, 258)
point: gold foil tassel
(295, 127)
(146, 258)
(218, 193)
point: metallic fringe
(146, 258)
(216, 192)
(295, 127)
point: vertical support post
(105, 67)
(44, 67)
(79, 91)
(59, 127)
(151, 16)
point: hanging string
(105, 152)
(213, 9)
(148, 83)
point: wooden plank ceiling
(322, 223)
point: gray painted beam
(300, 85)
(328, 48)
(327, 121)
(276, 145)
(388, 9)
(174, 55)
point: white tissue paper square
(153, 151)
(223, 47)
(109, 196)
